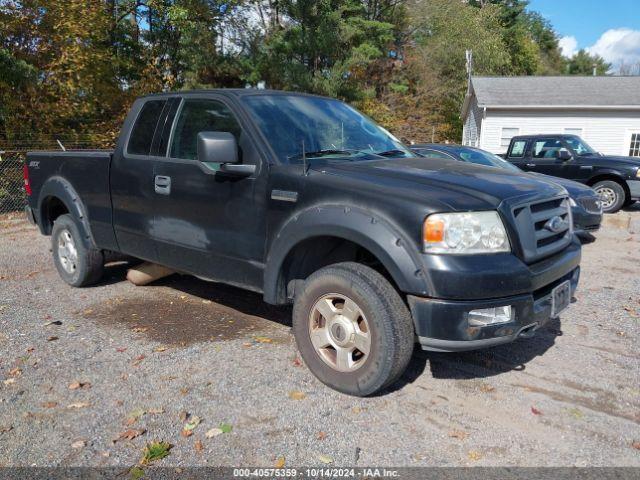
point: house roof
(555, 92)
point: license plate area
(560, 298)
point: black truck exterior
(305, 200)
(616, 179)
(586, 208)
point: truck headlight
(465, 233)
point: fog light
(490, 316)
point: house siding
(609, 132)
(472, 125)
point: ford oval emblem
(555, 224)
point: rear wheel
(353, 330)
(77, 265)
(612, 195)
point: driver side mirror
(219, 151)
(565, 155)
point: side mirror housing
(217, 147)
(564, 155)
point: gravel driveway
(90, 376)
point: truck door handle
(529, 165)
(162, 184)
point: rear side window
(145, 127)
(517, 151)
(433, 154)
(200, 115)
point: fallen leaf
(226, 428)
(296, 395)
(15, 372)
(6, 429)
(263, 340)
(134, 415)
(459, 434)
(214, 432)
(186, 433)
(159, 349)
(78, 444)
(325, 458)
(53, 322)
(136, 473)
(535, 411)
(192, 423)
(138, 359)
(635, 444)
(129, 434)
(184, 391)
(297, 362)
(356, 410)
(88, 311)
(139, 329)
(76, 385)
(79, 405)
(155, 451)
(121, 349)
(198, 446)
(280, 462)
(155, 411)
(50, 404)
(486, 388)
(9, 381)
(475, 455)
(183, 416)
(321, 435)
(52, 338)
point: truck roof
(543, 135)
(232, 92)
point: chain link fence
(12, 156)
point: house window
(507, 135)
(634, 150)
(573, 131)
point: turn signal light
(433, 230)
(27, 185)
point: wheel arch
(611, 176)
(324, 235)
(58, 197)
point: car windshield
(327, 128)
(579, 146)
(485, 158)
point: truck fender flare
(62, 189)
(391, 247)
(612, 172)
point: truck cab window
(144, 128)
(517, 150)
(200, 115)
(547, 148)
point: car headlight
(465, 233)
(638, 173)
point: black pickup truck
(309, 202)
(615, 179)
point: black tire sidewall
(374, 373)
(620, 194)
(77, 278)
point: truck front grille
(544, 227)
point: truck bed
(88, 172)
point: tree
(583, 63)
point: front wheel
(612, 195)
(353, 330)
(77, 265)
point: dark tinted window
(432, 153)
(200, 115)
(144, 128)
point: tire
(380, 316)
(611, 194)
(77, 265)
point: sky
(609, 28)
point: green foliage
(582, 63)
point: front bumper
(585, 221)
(634, 189)
(442, 324)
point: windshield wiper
(319, 154)
(391, 153)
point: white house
(605, 111)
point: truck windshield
(579, 146)
(328, 128)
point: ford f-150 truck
(307, 201)
(615, 179)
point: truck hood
(460, 185)
(575, 189)
(615, 159)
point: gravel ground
(146, 357)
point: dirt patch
(172, 318)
